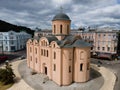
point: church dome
(61, 16)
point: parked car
(107, 56)
(3, 58)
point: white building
(13, 41)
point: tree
(7, 75)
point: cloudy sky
(39, 13)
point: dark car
(107, 56)
(3, 58)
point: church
(64, 58)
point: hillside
(5, 26)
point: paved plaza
(26, 81)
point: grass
(4, 87)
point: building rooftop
(61, 16)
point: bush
(7, 75)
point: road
(112, 65)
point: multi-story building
(13, 41)
(104, 40)
(64, 58)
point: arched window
(54, 55)
(54, 45)
(88, 66)
(31, 58)
(60, 28)
(47, 53)
(67, 29)
(44, 52)
(54, 29)
(81, 55)
(54, 68)
(35, 50)
(36, 60)
(81, 67)
(41, 51)
(69, 69)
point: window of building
(103, 48)
(54, 67)
(31, 58)
(44, 52)
(81, 55)
(88, 66)
(47, 53)
(54, 29)
(54, 45)
(67, 29)
(41, 51)
(54, 55)
(60, 28)
(69, 69)
(99, 35)
(108, 48)
(81, 67)
(36, 60)
(12, 42)
(30, 49)
(91, 48)
(35, 50)
(115, 49)
(98, 48)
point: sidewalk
(109, 77)
(108, 84)
(20, 84)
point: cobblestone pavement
(36, 81)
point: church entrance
(45, 70)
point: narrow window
(108, 48)
(81, 55)
(54, 55)
(54, 29)
(67, 29)
(88, 66)
(69, 69)
(36, 60)
(53, 45)
(31, 58)
(115, 48)
(54, 67)
(35, 50)
(81, 67)
(98, 48)
(47, 53)
(61, 29)
(41, 51)
(44, 52)
(103, 48)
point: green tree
(7, 75)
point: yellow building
(62, 57)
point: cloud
(39, 13)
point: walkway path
(20, 83)
(26, 81)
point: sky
(83, 13)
